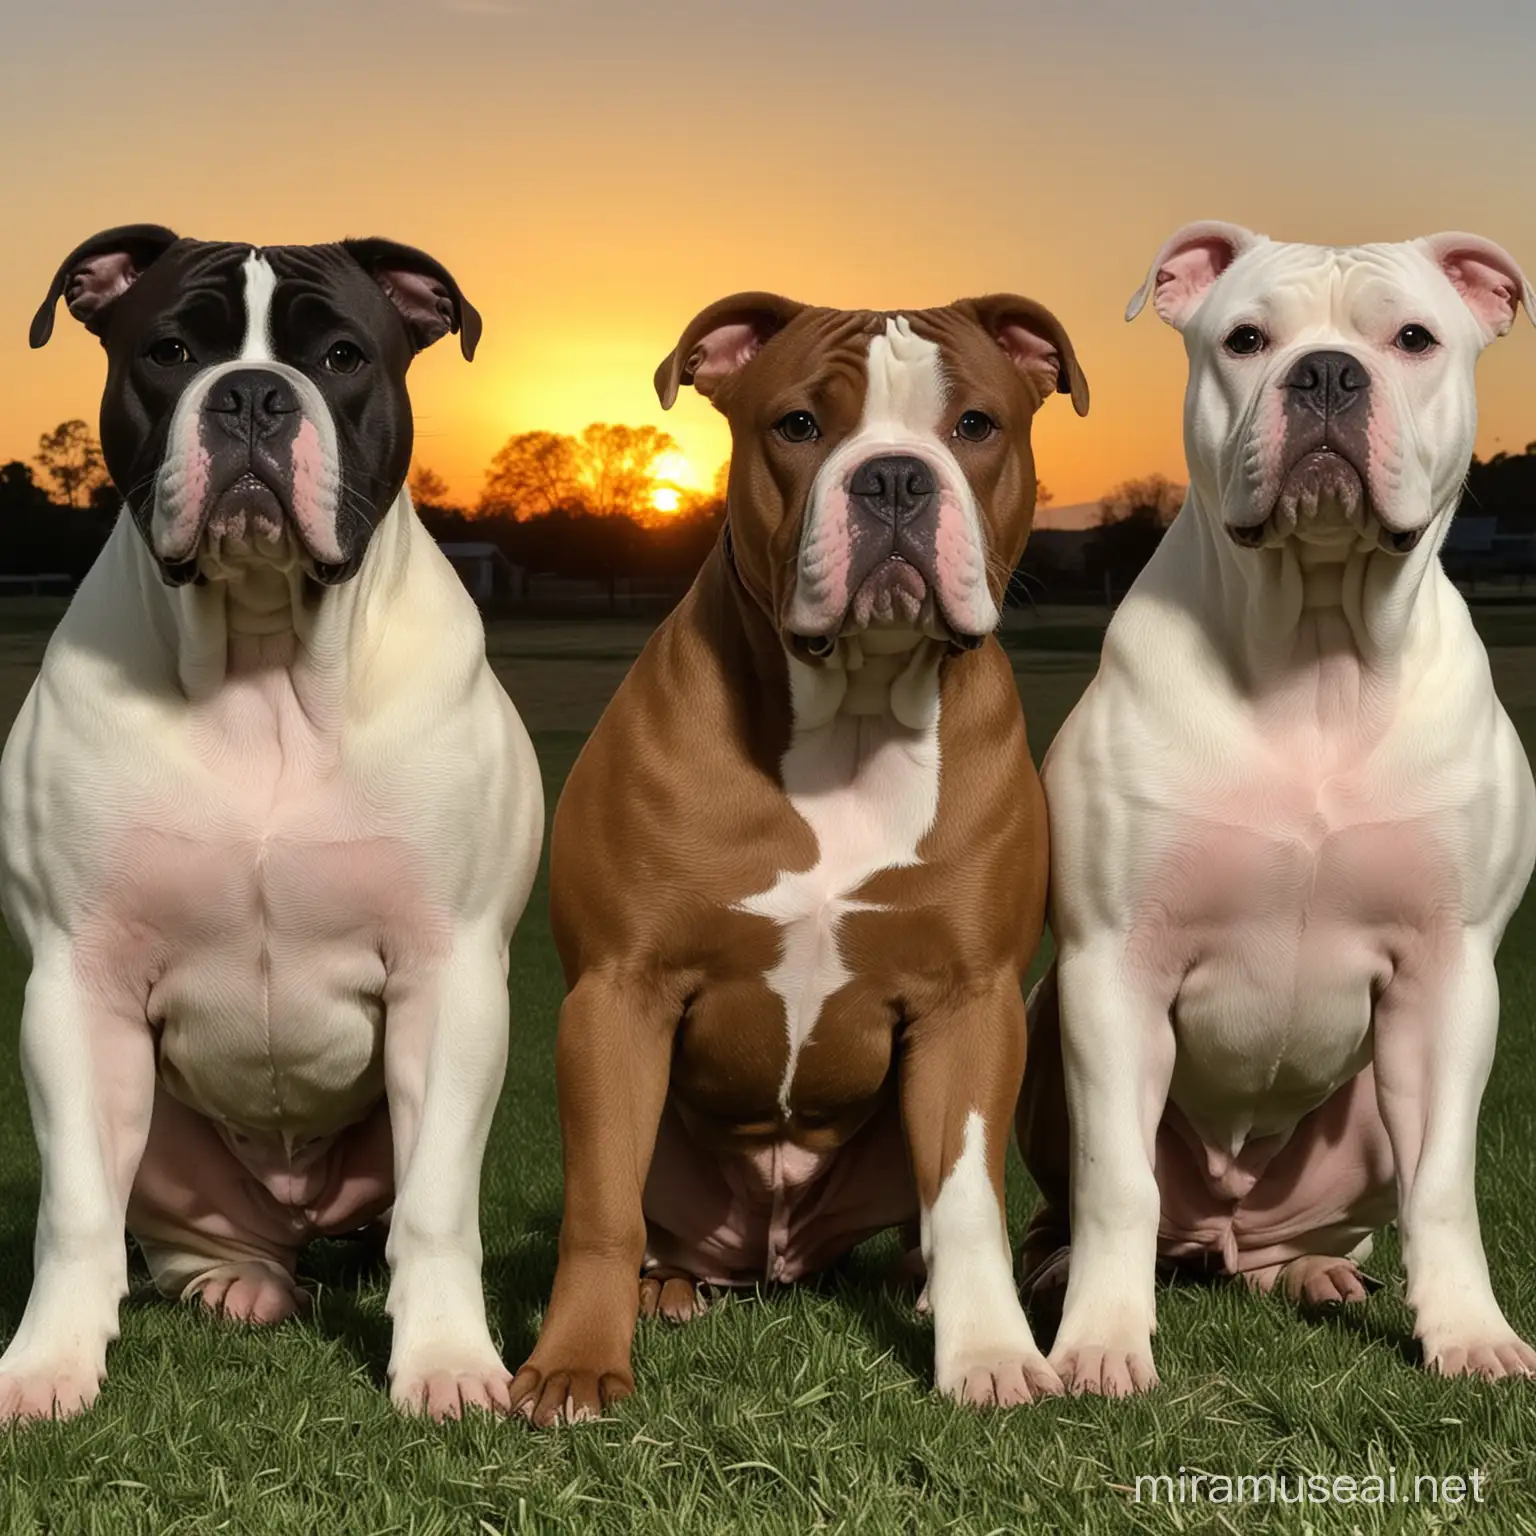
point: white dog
(268, 823)
(1289, 821)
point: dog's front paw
(999, 1378)
(1107, 1372)
(569, 1391)
(672, 1296)
(1112, 1361)
(251, 1293)
(46, 1390)
(442, 1384)
(1315, 1282)
(1492, 1353)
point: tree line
(598, 504)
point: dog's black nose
(252, 403)
(1328, 383)
(893, 489)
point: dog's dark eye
(1245, 340)
(797, 427)
(975, 427)
(1414, 338)
(344, 357)
(168, 353)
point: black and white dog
(268, 822)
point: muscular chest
(803, 993)
(254, 918)
(1274, 919)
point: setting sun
(673, 468)
(671, 472)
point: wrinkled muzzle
(1324, 460)
(251, 473)
(892, 540)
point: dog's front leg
(90, 1076)
(1117, 1057)
(613, 1061)
(445, 1053)
(1434, 1043)
(961, 1069)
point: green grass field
(804, 1410)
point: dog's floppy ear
(721, 341)
(1486, 276)
(1189, 262)
(97, 273)
(1036, 343)
(422, 289)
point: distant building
(478, 565)
(1474, 550)
(1471, 536)
(1063, 549)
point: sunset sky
(594, 172)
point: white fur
(980, 1329)
(905, 385)
(260, 285)
(1210, 719)
(137, 724)
(867, 785)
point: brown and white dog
(800, 867)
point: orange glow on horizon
(588, 219)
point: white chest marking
(260, 283)
(868, 787)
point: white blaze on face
(868, 787)
(260, 285)
(905, 399)
(905, 393)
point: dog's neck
(256, 622)
(875, 672)
(1271, 605)
(264, 599)
(1318, 639)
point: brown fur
(675, 811)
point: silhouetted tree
(533, 473)
(40, 537)
(20, 494)
(71, 457)
(427, 487)
(1504, 487)
(1155, 497)
(615, 465)
(1132, 521)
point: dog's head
(1330, 392)
(881, 471)
(255, 405)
